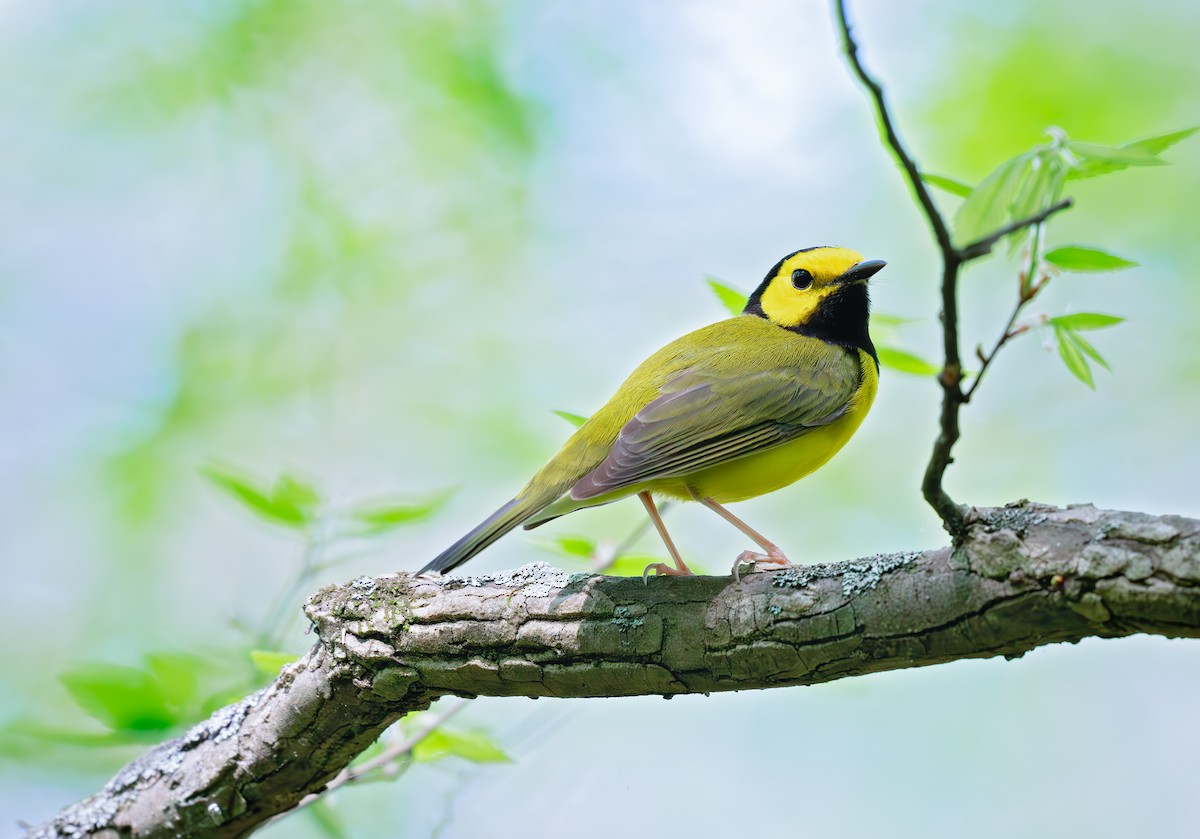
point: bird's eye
(801, 279)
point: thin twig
(1005, 336)
(283, 611)
(631, 539)
(396, 750)
(1028, 290)
(982, 247)
(953, 259)
(941, 232)
(935, 494)
(604, 559)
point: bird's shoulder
(740, 345)
(740, 355)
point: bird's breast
(774, 468)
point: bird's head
(818, 291)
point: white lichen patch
(362, 588)
(862, 574)
(1018, 517)
(95, 814)
(857, 575)
(537, 579)
(797, 576)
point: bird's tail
(492, 528)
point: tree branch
(950, 378)
(1022, 576)
(953, 259)
(890, 137)
(982, 247)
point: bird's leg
(680, 569)
(772, 556)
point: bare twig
(1027, 291)
(890, 137)
(950, 378)
(399, 748)
(982, 247)
(1006, 335)
(606, 556)
(953, 259)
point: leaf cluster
(1028, 184)
(296, 503)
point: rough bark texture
(1023, 576)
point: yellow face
(794, 292)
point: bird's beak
(862, 272)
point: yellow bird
(731, 411)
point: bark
(1022, 576)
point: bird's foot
(662, 569)
(773, 557)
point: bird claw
(773, 556)
(662, 569)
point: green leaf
(1095, 160)
(1042, 187)
(946, 184)
(881, 319)
(1085, 320)
(1088, 350)
(123, 698)
(1083, 259)
(988, 206)
(572, 546)
(269, 662)
(26, 739)
(1161, 142)
(379, 516)
(178, 675)
(905, 362)
(632, 565)
(296, 492)
(1092, 168)
(291, 502)
(474, 746)
(730, 298)
(1073, 357)
(575, 419)
(1122, 155)
(257, 498)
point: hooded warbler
(731, 411)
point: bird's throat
(842, 319)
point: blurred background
(290, 290)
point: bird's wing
(701, 419)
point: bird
(730, 411)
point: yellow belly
(775, 468)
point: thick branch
(1023, 576)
